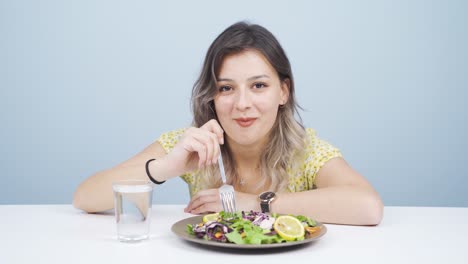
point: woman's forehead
(245, 65)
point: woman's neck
(247, 156)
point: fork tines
(228, 201)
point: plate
(180, 229)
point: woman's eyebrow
(225, 80)
(258, 77)
(249, 79)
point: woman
(244, 107)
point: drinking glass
(132, 200)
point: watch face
(267, 196)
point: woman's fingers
(217, 134)
(194, 145)
(204, 200)
(199, 147)
(211, 144)
(205, 142)
(206, 208)
(215, 128)
(201, 197)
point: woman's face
(248, 96)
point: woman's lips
(245, 122)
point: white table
(61, 234)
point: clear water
(133, 212)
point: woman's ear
(285, 84)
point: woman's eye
(224, 89)
(259, 85)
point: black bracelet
(149, 175)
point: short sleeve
(318, 152)
(168, 141)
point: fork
(226, 191)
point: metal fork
(226, 191)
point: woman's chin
(249, 137)
(244, 140)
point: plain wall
(85, 85)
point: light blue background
(88, 84)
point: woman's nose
(243, 99)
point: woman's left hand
(208, 201)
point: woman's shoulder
(311, 137)
(316, 153)
(317, 146)
(310, 132)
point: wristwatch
(265, 200)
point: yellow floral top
(317, 153)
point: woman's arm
(342, 196)
(95, 193)
(196, 148)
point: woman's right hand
(197, 148)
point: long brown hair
(287, 135)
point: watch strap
(265, 206)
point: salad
(253, 228)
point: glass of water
(133, 200)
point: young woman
(244, 106)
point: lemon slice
(210, 217)
(289, 227)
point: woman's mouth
(245, 122)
